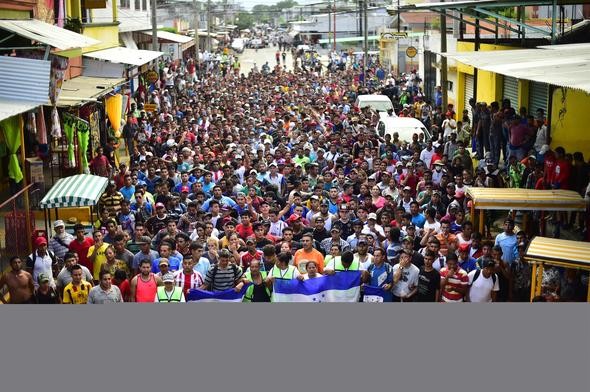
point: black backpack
(478, 272)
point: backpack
(478, 272)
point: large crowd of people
(238, 179)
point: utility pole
(443, 60)
(399, 18)
(334, 25)
(209, 43)
(366, 44)
(154, 27)
(196, 23)
(329, 25)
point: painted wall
(569, 121)
(108, 35)
(489, 84)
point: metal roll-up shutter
(538, 97)
(469, 83)
(510, 90)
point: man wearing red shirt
(245, 229)
(454, 281)
(562, 172)
(251, 254)
(80, 245)
(409, 179)
(549, 162)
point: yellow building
(81, 13)
(555, 78)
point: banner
(230, 295)
(341, 287)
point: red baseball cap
(184, 188)
(464, 247)
(39, 241)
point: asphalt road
(252, 56)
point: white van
(405, 127)
(379, 103)
(238, 45)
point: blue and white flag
(230, 295)
(373, 294)
(341, 287)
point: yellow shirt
(76, 294)
(99, 260)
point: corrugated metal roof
(85, 89)
(526, 199)
(9, 107)
(24, 79)
(120, 55)
(165, 35)
(48, 34)
(556, 251)
(559, 65)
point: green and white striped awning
(81, 190)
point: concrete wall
(569, 121)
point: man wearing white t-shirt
(483, 284)
(405, 278)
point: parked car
(256, 43)
(379, 103)
(404, 126)
(238, 45)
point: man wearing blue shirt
(166, 253)
(381, 274)
(417, 218)
(218, 195)
(507, 241)
(128, 190)
(466, 262)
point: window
(137, 5)
(450, 85)
(144, 5)
(125, 4)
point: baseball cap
(39, 241)
(43, 278)
(438, 162)
(163, 262)
(250, 240)
(335, 228)
(184, 188)
(158, 205)
(372, 215)
(407, 188)
(408, 239)
(464, 247)
(168, 278)
(58, 223)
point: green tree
(244, 20)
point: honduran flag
(341, 287)
(373, 294)
(230, 295)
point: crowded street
(288, 173)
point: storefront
(173, 45)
